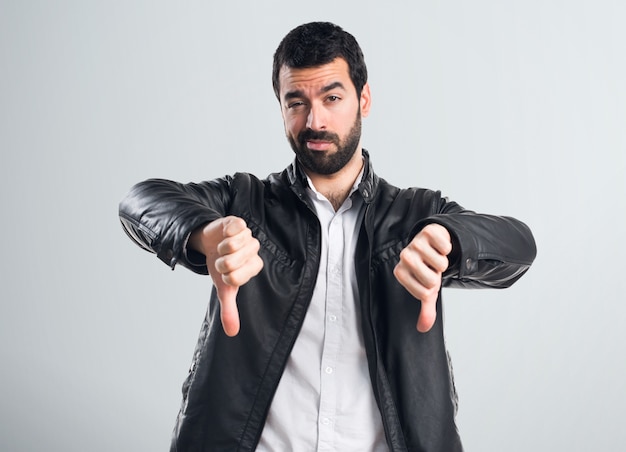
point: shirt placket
(332, 337)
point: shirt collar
(367, 182)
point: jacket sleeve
(487, 250)
(159, 215)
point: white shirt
(324, 401)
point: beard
(326, 162)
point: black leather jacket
(231, 381)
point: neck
(336, 187)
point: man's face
(322, 115)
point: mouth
(318, 145)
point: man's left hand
(421, 266)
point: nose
(316, 120)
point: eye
(333, 98)
(295, 104)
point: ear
(366, 100)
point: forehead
(315, 78)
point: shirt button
(329, 370)
(325, 421)
(332, 317)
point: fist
(232, 257)
(421, 267)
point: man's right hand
(232, 257)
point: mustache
(307, 135)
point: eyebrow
(299, 93)
(332, 86)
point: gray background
(508, 107)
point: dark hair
(316, 44)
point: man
(324, 330)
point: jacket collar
(367, 187)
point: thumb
(228, 304)
(428, 313)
